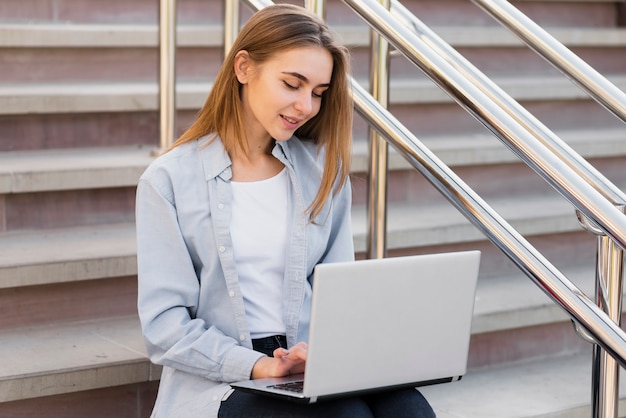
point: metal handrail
(560, 148)
(597, 86)
(610, 259)
(574, 302)
(536, 155)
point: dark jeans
(404, 403)
(400, 403)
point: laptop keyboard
(290, 386)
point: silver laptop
(383, 324)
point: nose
(304, 103)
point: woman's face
(283, 93)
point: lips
(290, 121)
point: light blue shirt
(190, 305)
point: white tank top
(261, 213)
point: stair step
(121, 166)
(107, 352)
(69, 169)
(91, 252)
(19, 99)
(481, 149)
(83, 53)
(36, 258)
(550, 388)
(72, 357)
(414, 226)
(98, 35)
(509, 302)
(66, 255)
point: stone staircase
(78, 122)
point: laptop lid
(383, 323)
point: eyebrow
(303, 78)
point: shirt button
(220, 206)
(232, 294)
(222, 248)
(242, 337)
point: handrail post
(609, 288)
(378, 148)
(232, 9)
(609, 282)
(167, 72)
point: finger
(281, 352)
(302, 345)
(297, 353)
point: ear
(242, 66)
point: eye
(319, 93)
(289, 86)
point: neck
(258, 164)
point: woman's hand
(283, 363)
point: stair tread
(69, 254)
(547, 388)
(439, 224)
(70, 357)
(99, 35)
(89, 168)
(514, 301)
(35, 257)
(74, 168)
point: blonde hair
(272, 30)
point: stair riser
(572, 13)
(129, 401)
(525, 344)
(74, 301)
(562, 250)
(489, 181)
(450, 119)
(34, 65)
(69, 208)
(32, 132)
(497, 61)
(84, 11)
(128, 64)
(431, 11)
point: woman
(234, 217)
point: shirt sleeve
(341, 242)
(168, 289)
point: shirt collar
(216, 161)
